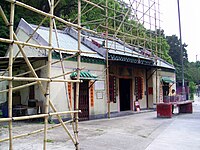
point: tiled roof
(119, 49)
(64, 40)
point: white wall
(58, 95)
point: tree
(175, 53)
(67, 9)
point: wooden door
(84, 101)
(125, 95)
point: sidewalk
(182, 134)
(133, 132)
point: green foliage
(4, 33)
(175, 49)
(192, 87)
(193, 70)
(168, 49)
(165, 49)
(175, 53)
(68, 10)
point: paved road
(182, 134)
(133, 132)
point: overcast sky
(190, 23)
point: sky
(190, 23)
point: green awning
(167, 80)
(84, 76)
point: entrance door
(83, 101)
(165, 89)
(124, 89)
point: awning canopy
(167, 80)
(84, 76)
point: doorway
(165, 89)
(83, 100)
(125, 96)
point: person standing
(172, 97)
(173, 93)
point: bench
(165, 109)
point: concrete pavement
(133, 132)
(182, 134)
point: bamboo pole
(109, 8)
(107, 62)
(150, 34)
(65, 73)
(28, 44)
(60, 49)
(12, 11)
(64, 77)
(160, 41)
(35, 132)
(37, 116)
(91, 3)
(35, 79)
(127, 52)
(65, 84)
(48, 76)
(44, 92)
(63, 70)
(88, 10)
(27, 72)
(40, 84)
(62, 123)
(19, 87)
(93, 22)
(143, 25)
(49, 15)
(41, 46)
(134, 37)
(7, 24)
(130, 36)
(117, 31)
(44, 66)
(78, 77)
(122, 22)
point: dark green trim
(167, 80)
(83, 75)
(133, 60)
(84, 59)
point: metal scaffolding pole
(181, 48)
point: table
(165, 109)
